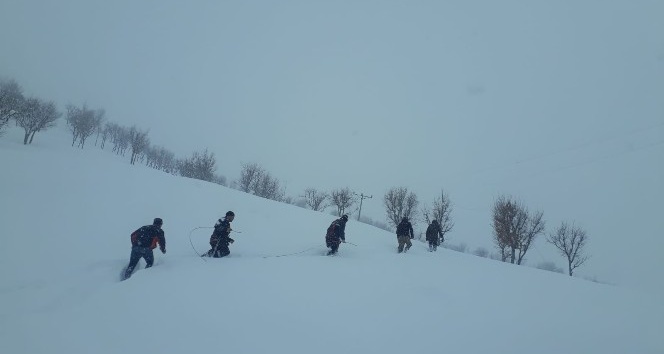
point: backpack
(143, 237)
(402, 229)
(331, 230)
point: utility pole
(362, 197)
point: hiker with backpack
(434, 235)
(220, 238)
(336, 234)
(143, 241)
(404, 234)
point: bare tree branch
(514, 228)
(315, 199)
(570, 241)
(343, 199)
(399, 203)
(441, 212)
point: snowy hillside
(66, 215)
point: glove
(230, 240)
(163, 250)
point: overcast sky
(559, 103)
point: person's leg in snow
(136, 254)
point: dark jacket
(149, 236)
(405, 228)
(222, 230)
(433, 232)
(336, 231)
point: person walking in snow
(404, 234)
(143, 241)
(220, 238)
(336, 234)
(434, 235)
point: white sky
(63, 248)
(559, 104)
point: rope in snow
(291, 254)
(192, 244)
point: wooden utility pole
(362, 197)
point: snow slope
(65, 219)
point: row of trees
(32, 114)
(84, 122)
(515, 228)
(35, 115)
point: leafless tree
(315, 199)
(514, 228)
(11, 100)
(36, 115)
(120, 138)
(160, 159)
(83, 122)
(139, 142)
(105, 134)
(201, 165)
(570, 240)
(269, 187)
(249, 177)
(343, 199)
(399, 203)
(441, 212)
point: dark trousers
(333, 245)
(218, 250)
(137, 253)
(433, 245)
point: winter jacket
(149, 236)
(405, 228)
(336, 231)
(222, 230)
(433, 231)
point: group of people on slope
(434, 235)
(148, 237)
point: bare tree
(166, 161)
(11, 100)
(269, 187)
(514, 228)
(160, 159)
(399, 203)
(139, 142)
(441, 212)
(201, 165)
(36, 115)
(343, 199)
(315, 199)
(570, 241)
(120, 138)
(105, 134)
(83, 122)
(28, 117)
(47, 115)
(249, 177)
